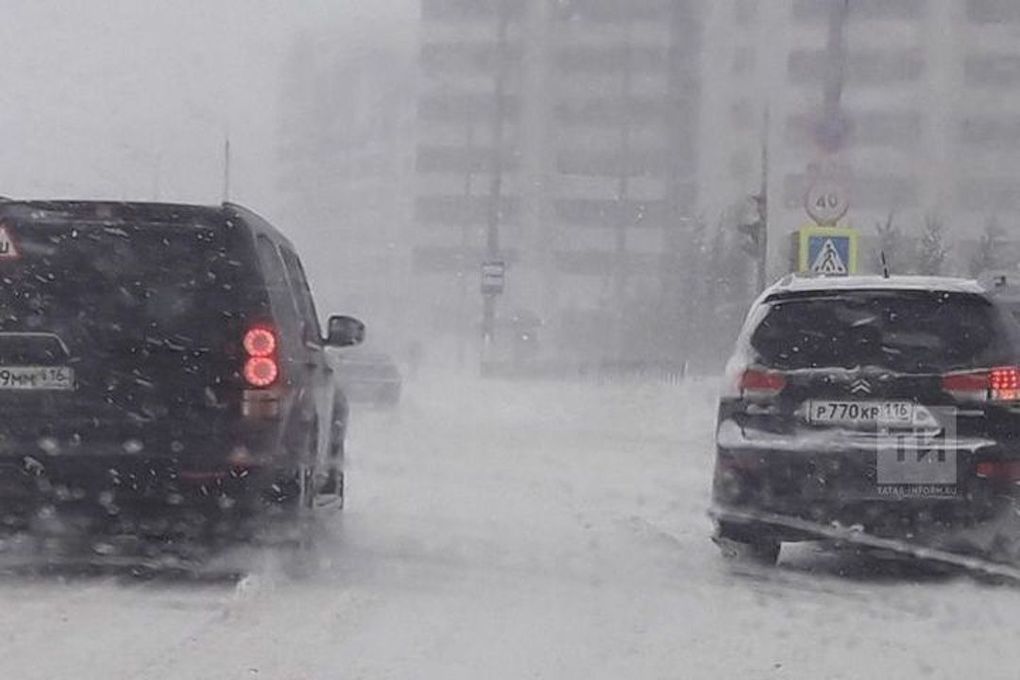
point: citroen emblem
(860, 386)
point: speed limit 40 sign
(826, 202)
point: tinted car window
(163, 283)
(303, 295)
(284, 306)
(922, 332)
(1014, 310)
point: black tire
(290, 500)
(334, 484)
(747, 543)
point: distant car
(887, 406)
(162, 371)
(370, 378)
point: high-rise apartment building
(582, 117)
(931, 101)
(346, 170)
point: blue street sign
(828, 251)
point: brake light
(260, 342)
(261, 368)
(261, 371)
(997, 384)
(759, 384)
(1005, 383)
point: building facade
(931, 102)
(346, 172)
(571, 127)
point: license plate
(36, 378)
(877, 413)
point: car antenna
(226, 168)
(885, 266)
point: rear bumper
(840, 488)
(980, 552)
(190, 441)
(140, 478)
(102, 494)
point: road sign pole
(763, 207)
(496, 176)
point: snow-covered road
(500, 530)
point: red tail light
(1005, 383)
(261, 369)
(967, 386)
(759, 384)
(1007, 470)
(260, 342)
(997, 384)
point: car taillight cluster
(1004, 470)
(261, 367)
(996, 384)
(757, 384)
(1005, 383)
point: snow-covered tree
(932, 250)
(989, 253)
(720, 293)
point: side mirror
(344, 331)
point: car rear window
(908, 331)
(161, 282)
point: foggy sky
(131, 99)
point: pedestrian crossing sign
(827, 251)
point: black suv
(161, 371)
(884, 408)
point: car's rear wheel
(747, 543)
(331, 491)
